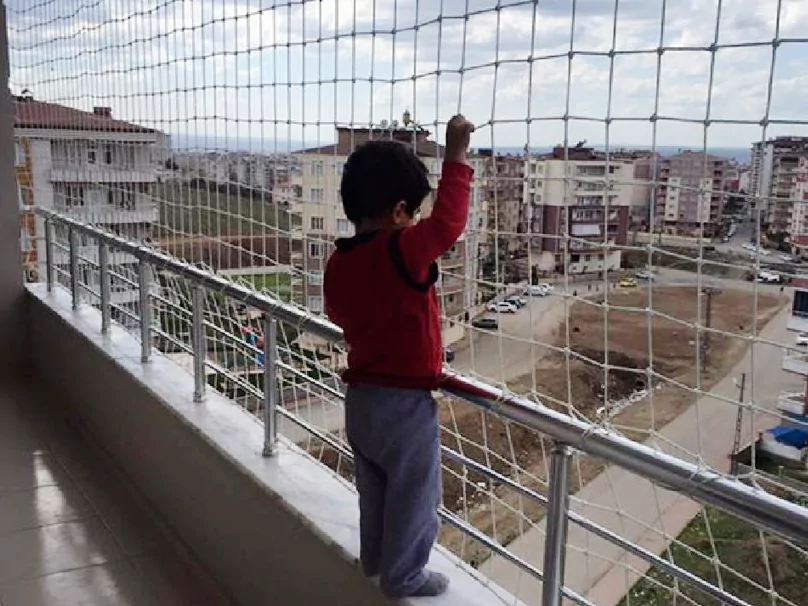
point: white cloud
(238, 67)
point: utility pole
(738, 425)
(709, 291)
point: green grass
(185, 209)
(279, 284)
(739, 547)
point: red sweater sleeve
(428, 239)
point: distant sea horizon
(185, 142)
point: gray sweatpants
(394, 437)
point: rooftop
(29, 113)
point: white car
(537, 290)
(768, 277)
(802, 339)
(502, 307)
(787, 258)
(749, 246)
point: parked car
(750, 247)
(486, 322)
(768, 277)
(502, 307)
(448, 355)
(627, 283)
(802, 339)
(516, 300)
(787, 258)
(645, 274)
(539, 290)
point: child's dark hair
(379, 175)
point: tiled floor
(71, 533)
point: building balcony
(94, 173)
(796, 362)
(791, 403)
(110, 215)
(798, 321)
(90, 253)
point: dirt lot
(511, 449)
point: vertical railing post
(49, 254)
(74, 267)
(144, 283)
(270, 385)
(556, 522)
(198, 340)
(103, 266)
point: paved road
(513, 350)
(598, 569)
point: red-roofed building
(91, 166)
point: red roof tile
(29, 113)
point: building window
(315, 278)
(316, 250)
(316, 194)
(343, 226)
(19, 154)
(317, 169)
(317, 223)
(107, 154)
(74, 196)
(25, 241)
(316, 304)
(92, 154)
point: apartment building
(775, 163)
(642, 190)
(250, 170)
(322, 220)
(94, 168)
(503, 190)
(690, 194)
(798, 224)
(577, 201)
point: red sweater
(380, 289)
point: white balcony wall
(90, 173)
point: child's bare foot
(436, 584)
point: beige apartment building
(577, 192)
(322, 220)
(690, 194)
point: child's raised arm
(428, 239)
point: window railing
(281, 367)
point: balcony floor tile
(71, 530)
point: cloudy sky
(247, 68)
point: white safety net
(638, 220)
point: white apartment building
(578, 193)
(774, 165)
(322, 219)
(94, 168)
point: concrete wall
(11, 283)
(278, 530)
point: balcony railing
(100, 173)
(706, 486)
(791, 402)
(112, 215)
(796, 362)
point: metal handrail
(704, 485)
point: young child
(380, 289)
